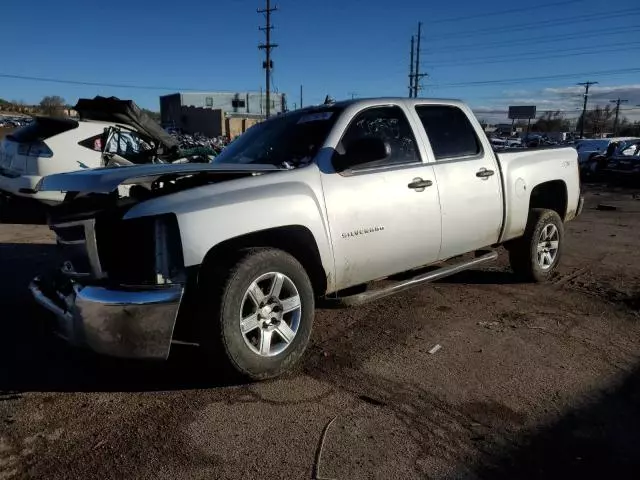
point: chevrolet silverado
(320, 202)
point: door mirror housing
(361, 151)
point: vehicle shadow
(597, 440)
(32, 359)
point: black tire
(523, 253)
(222, 293)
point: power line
(548, 23)
(267, 47)
(524, 58)
(96, 84)
(504, 12)
(535, 40)
(507, 81)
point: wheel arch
(296, 240)
(551, 195)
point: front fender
(213, 214)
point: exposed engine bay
(117, 189)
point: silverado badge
(362, 231)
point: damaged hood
(112, 109)
(106, 180)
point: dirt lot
(532, 381)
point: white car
(111, 132)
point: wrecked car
(109, 132)
(320, 202)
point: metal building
(240, 104)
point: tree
(52, 106)
(152, 114)
(18, 106)
(552, 122)
(599, 120)
(630, 129)
(5, 105)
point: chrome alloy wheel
(547, 248)
(270, 314)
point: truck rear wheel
(261, 317)
(535, 256)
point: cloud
(597, 94)
(565, 99)
(515, 93)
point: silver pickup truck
(317, 203)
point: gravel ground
(532, 381)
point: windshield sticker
(315, 117)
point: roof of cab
(400, 100)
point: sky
(489, 54)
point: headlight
(141, 251)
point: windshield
(291, 139)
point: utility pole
(618, 101)
(416, 79)
(417, 76)
(586, 86)
(352, 94)
(267, 47)
(300, 96)
(411, 69)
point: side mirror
(363, 150)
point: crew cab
(320, 202)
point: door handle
(484, 173)
(419, 184)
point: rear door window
(450, 132)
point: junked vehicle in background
(594, 166)
(110, 132)
(619, 163)
(590, 147)
(321, 202)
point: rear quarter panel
(523, 170)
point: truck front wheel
(535, 256)
(260, 316)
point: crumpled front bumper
(122, 323)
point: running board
(366, 297)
